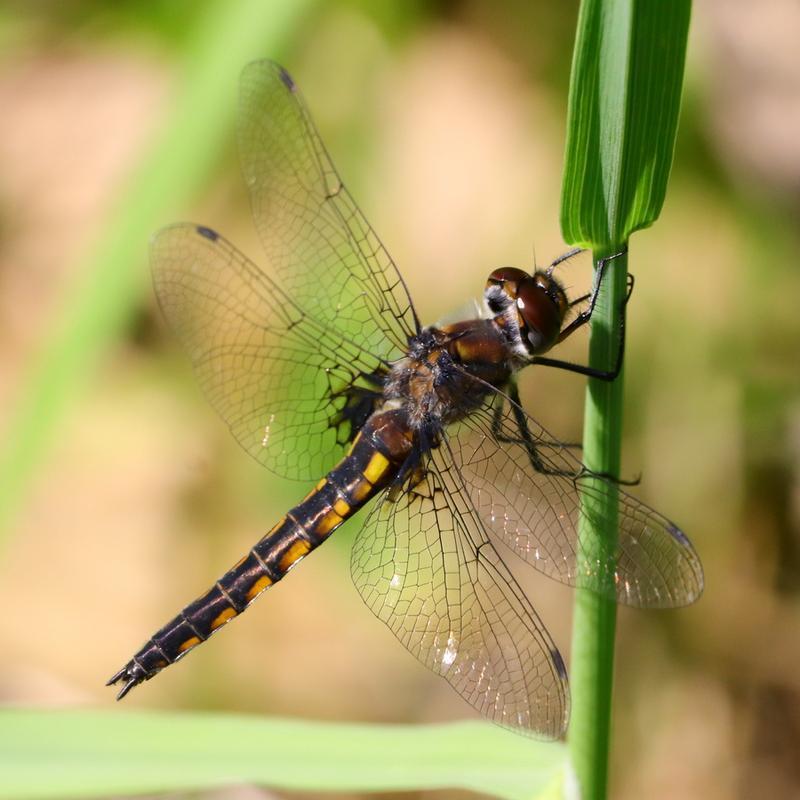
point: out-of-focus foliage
(113, 279)
(448, 125)
(97, 754)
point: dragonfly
(323, 372)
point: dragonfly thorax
(418, 382)
(436, 380)
(529, 308)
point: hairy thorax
(448, 372)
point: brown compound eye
(541, 305)
(507, 279)
(507, 275)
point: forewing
(425, 567)
(533, 503)
(316, 239)
(273, 373)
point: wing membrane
(424, 566)
(536, 509)
(274, 373)
(327, 256)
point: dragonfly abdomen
(371, 463)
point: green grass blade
(68, 754)
(226, 37)
(624, 102)
(594, 617)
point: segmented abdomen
(371, 463)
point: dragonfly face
(530, 308)
(323, 372)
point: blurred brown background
(447, 121)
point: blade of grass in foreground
(50, 755)
(624, 103)
(226, 36)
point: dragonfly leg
(526, 439)
(582, 319)
(513, 392)
(607, 476)
(562, 258)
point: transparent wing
(528, 489)
(278, 378)
(425, 567)
(320, 245)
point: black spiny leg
(582, 319)
(526, 440)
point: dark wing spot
(558, 662)
(678, 534)
(287, 80)
(208, 233)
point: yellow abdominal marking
(188, 644)
(341, 507)
(262, 583)
(328, 523)
(294, 553)
(361, 491)
(378, 464)
(222, 618)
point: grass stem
(594, 620)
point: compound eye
(507, 275)
(540, 314)
(506, 279)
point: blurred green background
(447, 121)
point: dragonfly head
(529, 308)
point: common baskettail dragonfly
(321, 367)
